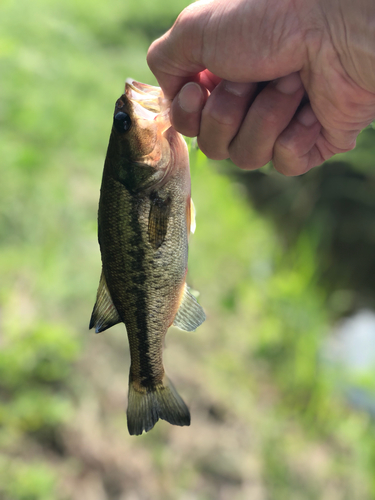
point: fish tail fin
(146, 407)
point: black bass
(144, 220)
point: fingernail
(236, 88)
(307, 116)
(289, 84)
(190, 97)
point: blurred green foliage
(33, 368)
(24, 482)
(267, 421)
(335, 206)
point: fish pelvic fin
(147, 406)
(190, 314)
(104, 314)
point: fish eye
(122, 121)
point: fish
(145, 217)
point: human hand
(319, 59)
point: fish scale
(143, 228)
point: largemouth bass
(144, 220)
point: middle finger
(222, 116)
(267, 117)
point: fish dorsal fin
(190, 314)
(104, 314)
(193, 224)
(158, 220)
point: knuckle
(188, 127)
(291, 168)
(153, 56)
(185, 129)
(246, 159)
(212, 151)
(246, 162)
(326, 152)
(265, 112)
(288, 162)
(189, 26)
(185, 17)
(222, 119)
(218, 156)
(327, 148)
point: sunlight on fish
(144, 221)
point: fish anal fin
(190, 314)
(104, 314)
(147, 406)
(158, 220)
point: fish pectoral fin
(104, 314)
(190, 314)
(158, 220)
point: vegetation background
(278, 263)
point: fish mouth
(148, 102)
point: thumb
(232, 41)
(175, 58)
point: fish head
(140, 122)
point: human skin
(317, 55)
